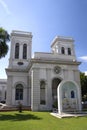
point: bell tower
(18, 78)
(20, 54)
(63, 47)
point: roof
(61, 38)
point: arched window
(42, 92)
(19, 92)
(63, 50)
(72, 94)
(25, 51)
(69, 51)
(17, 51)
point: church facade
(47, 78)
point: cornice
(21, 34)
(52, 61)
(16, 70)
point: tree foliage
(83, 79)
(4, 38)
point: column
(21, 51)
(49, 90)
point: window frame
(42, 89)
(19, 92)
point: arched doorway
(55, 83)
(69, 98)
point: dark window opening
(69, 51)
(24, 51)
(72, 94)
(63, 50)
(17, 51)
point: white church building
(47, 78)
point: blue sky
(46, 19)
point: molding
(55, 61)
(21, 34)
(16, 70)
(51, 61)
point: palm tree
(4, 38)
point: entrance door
(55, 83)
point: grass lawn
(28, 120)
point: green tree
(83, 79)
(4, 38)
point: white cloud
(4, 5)
(85, 72)
(84, 58)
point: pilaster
(9, 90)
(35, 101)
